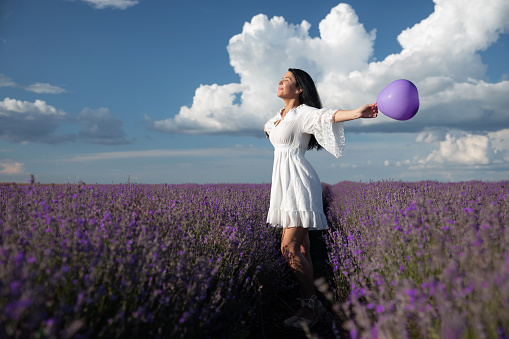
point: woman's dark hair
(309, 96)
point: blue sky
(106, 91)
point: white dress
(296, 192)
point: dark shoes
(298, 322)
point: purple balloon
(399, 100)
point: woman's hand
(368, 111)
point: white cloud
(461, 148)
(465, 23)
(38, 87)
(42, 88)
(261, 54)
(216, 110)
(468, 150)
(116, 4)
(25, 121)
(9, 168)
(439, 54)
(9, 107)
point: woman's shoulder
(304, 110)
(307, 108)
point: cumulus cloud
(439, 54)
(100, 127)
(468, 150)
(24, 121)
(116, 4)
(261, 54)
(26, 107)
(462, 148)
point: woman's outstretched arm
(366, 111)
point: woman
(296, 193)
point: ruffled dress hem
(306, 219)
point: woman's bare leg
(293, 241)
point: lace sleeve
(329, 135)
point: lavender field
(418, 260)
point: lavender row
(421, 260)
(133, 260)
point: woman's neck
(289, 105)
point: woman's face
(287, 88)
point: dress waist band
(289, 148)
